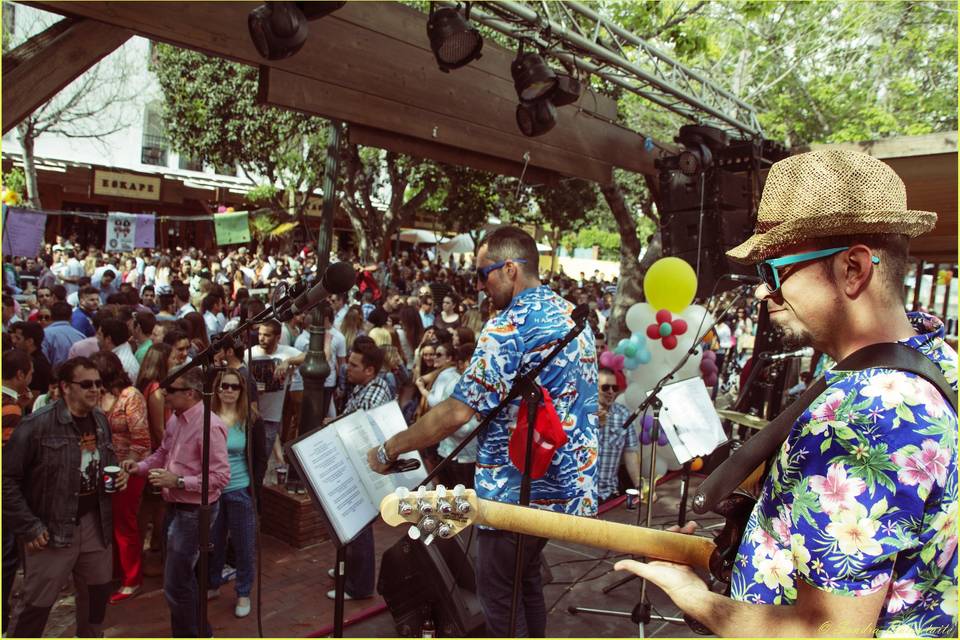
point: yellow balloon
(670, 283)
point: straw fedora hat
(829, 193)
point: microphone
(338, 278)
(736, 277)
(799, 353)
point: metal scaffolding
(576, 35)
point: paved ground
(295, 582)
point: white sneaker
(243, 608)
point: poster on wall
(23, 232)
(129, 231)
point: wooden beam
(283, 89)
(379, 50)
(36, 70)
(416, 147)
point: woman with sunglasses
(126, 412)
(247, 452)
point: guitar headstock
(442, 513)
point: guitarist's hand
(678, 581)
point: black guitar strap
(760, 447)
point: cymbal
(744, 419)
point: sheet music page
(361, 431)
(332, 474)
(691, 418)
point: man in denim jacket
(53, 501)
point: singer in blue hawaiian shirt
(531, 320)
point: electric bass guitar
(445, 513)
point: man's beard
(796, 339)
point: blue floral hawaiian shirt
(514, 341)
(863, 496)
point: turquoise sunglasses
(770, 275)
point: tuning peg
(414, 533)
(428, 539)
(441, 491)
(444, 530)
(458, 491)
(428, 524)
(461, 504)
(404, 508)
(422, 503)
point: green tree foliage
(210, 112)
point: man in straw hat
(855, 532)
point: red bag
(548, 436)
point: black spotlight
(566, 91)
(536, 117)
(532, 78)
(453, 40)
(278, 29)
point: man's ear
(857, 270)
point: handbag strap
(760, 447)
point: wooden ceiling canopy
(370, 64)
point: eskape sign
(126, 185)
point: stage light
(536, 117)
(453, 40)
(532, 78)
(566, 91)
(278, 29)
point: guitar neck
(614, 536)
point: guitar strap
(765, 444)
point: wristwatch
(180, 483)
(382, 457)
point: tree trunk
(630, 284)
(25, 134)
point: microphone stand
(641, 614)
(205, 361)
(525, 385)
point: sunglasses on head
(606, 388)
(88, 384)
(230, 386)
(484, 272)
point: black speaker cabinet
(418, 581)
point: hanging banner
(121, 228)
(129, 231)
(145, 236)
(23, 232)
(232, 228)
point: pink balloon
(222, 209)
(706, 366)
(617, 361)
(605, 358)
(710, 355)
(710, 380)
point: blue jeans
(361, 565)
(496, 553)
(236, 516)
(179, 572)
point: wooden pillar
(916, 286)
(933, 289)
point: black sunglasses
(87, 384)
(608, 387)
(229, 386)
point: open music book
(333, 463)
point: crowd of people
(407, 332)
(90, 338)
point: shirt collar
(194, 413)
(11, 392)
